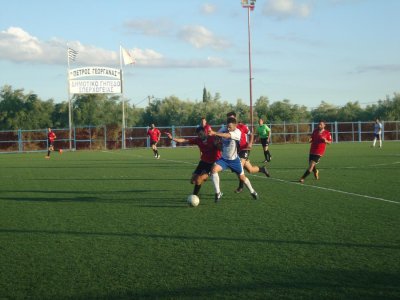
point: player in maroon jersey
(319, 139)
(154, 135)
(209, 154)
(244, 151)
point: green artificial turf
(115, 225)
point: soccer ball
(193, 200)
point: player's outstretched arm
(178, 140)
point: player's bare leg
(198, 180)
(251, 169)
(247, 182)
(308, 172)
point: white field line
(290, 182)
(332, 190)
(380, 165)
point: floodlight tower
(249, 5)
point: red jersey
(51, 136)
(207, 129)
(243, 138)
(154, 134)
(318, 145)
(209, 152)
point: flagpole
(123, 100)
(69, 104)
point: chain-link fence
(109, 137)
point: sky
(305, 51)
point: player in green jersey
(264, 134)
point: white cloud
(201, 37)
(388, 68)
(282, 9)
(161, 27)
(209, 62)
(208, 9)
(19, 46)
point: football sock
(248, 184)
(215, 180)
(196, 189)
(156, 152)
(373, 144)
(48, 152)
(306, 173)
(241, 184)
(266, 154)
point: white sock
(373, 144)
(215, 180)
(380, 143)
(248, 184)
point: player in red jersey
(51, 136)
(319, 139)
(154, 135)
(244, 151)
(209, 154)
(205, 125)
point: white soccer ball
(193, 200)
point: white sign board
(95, 86)
(95, 72)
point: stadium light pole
(249, 5)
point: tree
(352, 111)
(325, 111)
(205, 96)
(281, 111)
(261, 108)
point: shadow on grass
(133, 197)
(104, 166)
(200, 238)
(122, 178)
(300, 284)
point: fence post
(90, 137)
(383, 131)
(105, 137)
(74, 138)
(284, 131)
(359, 131)
(147, 137)
(19, 140)
(173, 136)
(336, 132)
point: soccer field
(115, 225)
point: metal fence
(109, 138)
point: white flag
(127, 57)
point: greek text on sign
(94, 72)
(94, 86)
